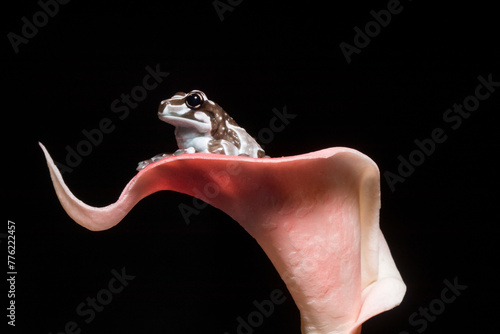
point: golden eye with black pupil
(194, 100)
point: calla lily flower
(315, 215)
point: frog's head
(194, 110)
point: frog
(202, 126)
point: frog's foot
(141, 165)
(185, 151)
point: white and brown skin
(202, 126)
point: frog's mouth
(184, 122)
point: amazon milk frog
(202, 126)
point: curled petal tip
(92, 218)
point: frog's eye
(194, 100)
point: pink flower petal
(315, 215)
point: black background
(441, 223)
